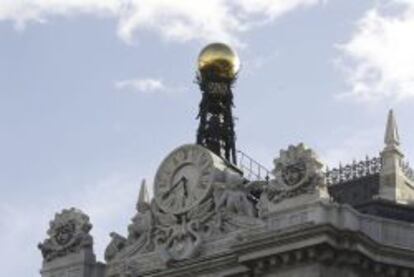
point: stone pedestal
(298, 181)
(394, 184)
(81, 264)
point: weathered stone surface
(287, 226)
(209, 200)
(311, 234)
(68, 233)
(292, 229)
(298, 179)
(320, 238)
(395, 185)
(68, 251)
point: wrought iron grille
(252, 170)
(356, 170)
(255, 171)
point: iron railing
(255, 171)
(252, 170)
(353, 171)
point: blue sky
(93, 95)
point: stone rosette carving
(297, 171)
(68, 233)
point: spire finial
(391, 133)
(143, 198)
(393, 182)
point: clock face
(184, 179)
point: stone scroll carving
(178, 237)
(140, 231)
(234, 207)
(68, 233)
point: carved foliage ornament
(68, 233)
(185, 214)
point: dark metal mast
(215, 79)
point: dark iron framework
(216, 128)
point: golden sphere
(218, 60)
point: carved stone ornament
(68, 233)
(297, 171)
(180, 233)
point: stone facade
(207, 220)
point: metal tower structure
(218, 67)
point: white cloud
(379, 59)
(147, 85)
(180, 20)
(22, 12)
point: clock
(185, 178)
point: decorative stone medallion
(64, 233)
(297, 167)
(293, 174)
(68, 233)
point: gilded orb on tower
(218, 60)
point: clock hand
(165, 195)
(185, 191)
(185, 187)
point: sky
(95, 93)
